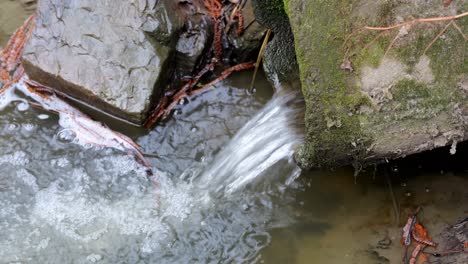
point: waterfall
(262, 149)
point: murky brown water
(340, 221)
(95, 206)
(12, 15)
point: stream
(226, 188)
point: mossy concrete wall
(366, 102)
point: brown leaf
(420, 235)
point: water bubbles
(87, 145)
(184, 101)
(257, 240)
(12, 127)
(93, 258)
(29, 127)
(43, 116)
(251, 91)
(194, 129)
(18, 158)
(66, 136)
(408, 194)
(22, 106)
(60, 163)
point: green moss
(448, 55)
(332, 129)
(408, 89)
(333, 126)
(386, 12)
(372, 56)
(413, 100)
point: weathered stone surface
(194, 41)
(245, 46)
(111, 54)
(279, 60)
(123, 56)
(366, 102)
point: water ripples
(61, 202)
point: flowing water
(225, 191)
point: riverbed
(60, 202)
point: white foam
(18, 158)
(268, 138)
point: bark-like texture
(387, 107)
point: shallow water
(59, 202)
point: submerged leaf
(420, 235)
(89, 133)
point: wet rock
(452, 239)
(279, 60)
(122, 57)
(109, 54)
(401, 86)
(247, 41)
(195, 39)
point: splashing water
(60, 202)
(268, 139)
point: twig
(438, 36)
(374, 39)
(396, 206)
(391, 44)
(224, 75)
(407, 232)
(259, 58)
(419, 20)
(459, 29)
(409, 23)
(444, 253)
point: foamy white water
(269, 138)
(61, 202)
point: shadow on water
(339, 220)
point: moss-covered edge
(333, 132)
(335, 135)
